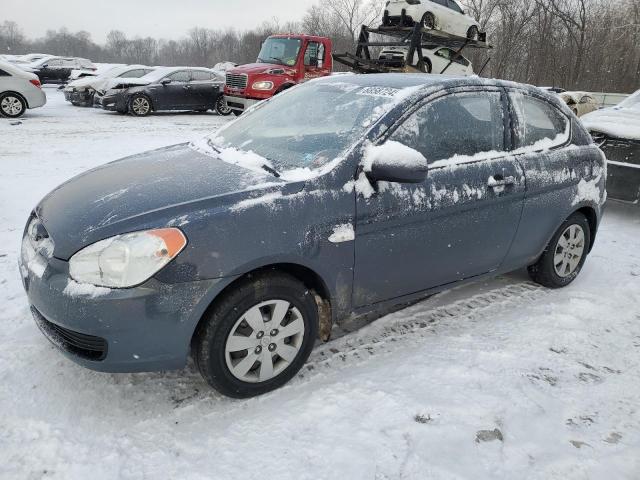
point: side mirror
(166, 81)
(46, 65)
(411, 168)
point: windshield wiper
(213, 146)
(271, 170)
(280, 61)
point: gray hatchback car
(343, 196)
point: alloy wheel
(569, 251)
(264, 341)
(11, 106)
(140, 106)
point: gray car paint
(399, 254)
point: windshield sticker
(378, 92)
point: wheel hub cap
(569, 251)
(264, 341)
(11, 106)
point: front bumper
(147, 328)
(240, 104)
(84, 98)
(113, 103)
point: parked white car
(445, 15)
(436, 58)
(19, 90)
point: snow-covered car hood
(88, 82)
(126, 82)
(617, 122)
(143, 191)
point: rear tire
(12, 105)
(140, 105)
(245, 347)
(562, 260)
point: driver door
(176, 94)
(314, 61)
(457, 224)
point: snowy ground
(497, 380)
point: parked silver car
(19, 90)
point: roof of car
(407, 80)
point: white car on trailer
(448, 16)
(437, 59)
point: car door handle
(187, 87)
(500, 181)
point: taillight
(36, 83)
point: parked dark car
(166, 88)
(617, 131)
(57, 70)
(342, 196)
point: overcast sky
(156, 18)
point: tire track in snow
(414, 322)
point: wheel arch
(18, 94)
(592, 218)
(306, 275)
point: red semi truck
(284, 61)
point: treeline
(576, 44)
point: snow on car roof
(161, 72)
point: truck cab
(283, 61)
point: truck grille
(237, 81)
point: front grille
(84, 346)
(237, 81)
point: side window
(459, 124)
(444, 53)
(453, 6)
(181, 76)
(311, 54)
(537, 121)
(199, 76)
(132, 74)
(441, 2)
(56, 62)
(4, 74)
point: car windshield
(308, 126)
(283, 51)
(631, 102)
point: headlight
(263, 86)
(127, 260)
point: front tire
(12, 105)
(473, 33)
(221, 107)
(428, 21)
(140, 105)
(257, 337)
(562, 260)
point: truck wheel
(12, 105)
(257, 337)
(428, 21)
(237, 113)
(562, 260)
(221, 107)
(140, 105)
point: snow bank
(343, 233)
(75, 289)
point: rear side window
(181, 76)
(199, 76)
(132, 74)
(4, 74)
(459, 124)
(453, 6)
(538, 123)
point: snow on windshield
(306, 131)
